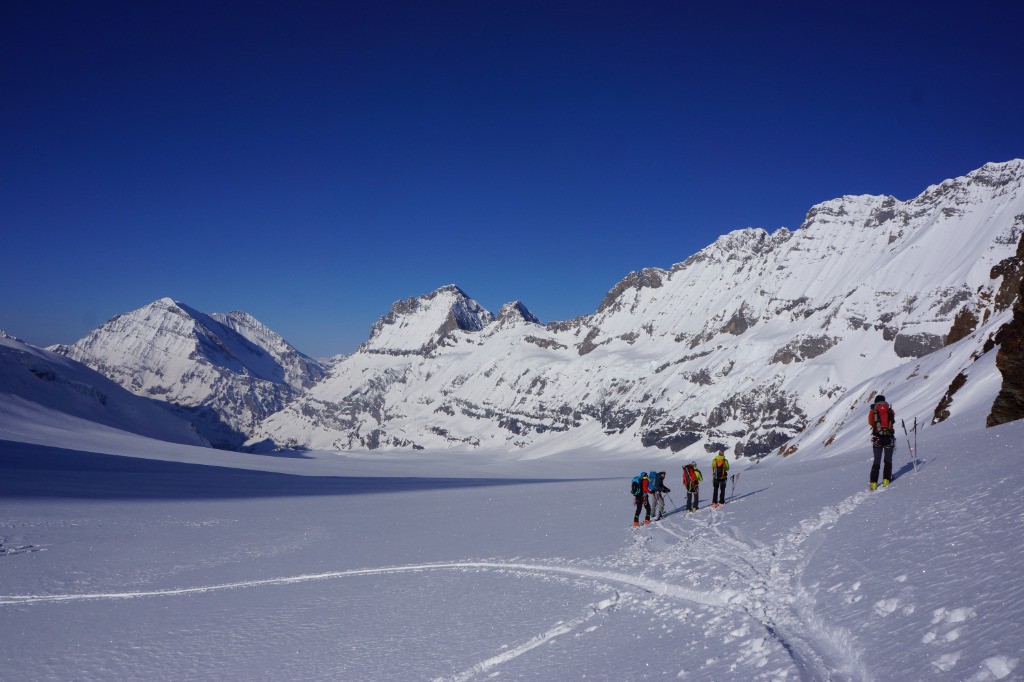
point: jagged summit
(650, 278)
(515, 312)
(418, 325)
(738, 245)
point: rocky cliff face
(739, 346)
(1009, 403)
(227, 372)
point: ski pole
(674, 507)
(913, 455)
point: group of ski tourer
(648, 487)
(651, 486)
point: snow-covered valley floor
(334, 567)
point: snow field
(803, 575)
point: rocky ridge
(738, 346)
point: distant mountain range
(756, 343)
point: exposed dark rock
(1010, 269)
(649, 278)
(516, 311)
(802, 349)
(672, 440)
(379, 438)
(569, 325)
(1009, 403)
(465, 315)
(742, 320)
(588, 344)
(883, 213)
(701, 377)
(549, 344)
(955, 297)
(760, 445)
(964, 325)
(917, 345)
(942, 409)
(888, 333)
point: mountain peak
(740, 245)
(648, 278)
(516, 312)
(418, 325)
(171, 352)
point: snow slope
(37, 386)
(160, 561)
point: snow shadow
(906, 469)
(39, 471)
(705, 503)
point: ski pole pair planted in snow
(911, 448)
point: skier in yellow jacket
(719, 477)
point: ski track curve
(771, 592)
(647, 584)
(774, 595)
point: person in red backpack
(882, 419)
(691, 480)
(640, 489)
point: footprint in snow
(945, 663)
(949, 625)
(996, 668)
(884, 607)
(851, 596)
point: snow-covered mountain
(739, 347)
(38, 386)
(227, 371)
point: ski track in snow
(767, 579)
(772, 592)
(646, 584)
(559, 629)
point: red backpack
(883, 419)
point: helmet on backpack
(879, 398)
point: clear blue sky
(312, 162)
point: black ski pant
(642, 503)
(718, 493)
(878, 448)
(692, 498)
